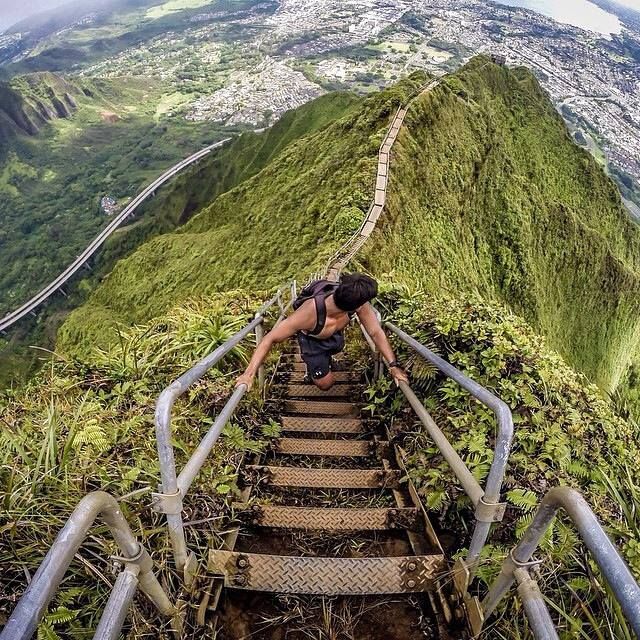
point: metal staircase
(326, 447)
(336, 463)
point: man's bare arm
(300, 320)
(372, 326)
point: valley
(169, 78)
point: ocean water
(579, 13)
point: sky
(12, 11)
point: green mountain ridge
(502, 243)
(488, 194)
(29, 102)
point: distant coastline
(578, 13)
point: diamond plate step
(318, 519)
(312, 447)
(292, 357)
(322, 425)
(322, 478)
(321, 407)
(311, 391)
(299, 367)
(326, 576)
(297, 377)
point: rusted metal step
(299, 366)
(304, 424)
(297, 377)
(322, 478)
(326, 576)
(292, 357)
(313, 447)
(320, 407)
(319, 519)
(311, 391)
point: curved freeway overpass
(77, 264)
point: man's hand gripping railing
(138, 571)
(175, 487)
(488, 508)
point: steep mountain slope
(488, 194)
(29, 102)
(279, 223)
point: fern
(61, 615)
(47, 632)
(523, 499)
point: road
(78, 263)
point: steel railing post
(115, 612)
(604, 552)
(170, 492)
(24, 619)
(259, 338)
(535, 608)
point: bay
(579, 13)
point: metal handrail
(604, 552)
(175, 487)
(488, 508)
(138, 571)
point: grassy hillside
(279, 223)
(489, 194)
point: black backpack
(317, 290)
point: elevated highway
(81, 260)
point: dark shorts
(317, 353)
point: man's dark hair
(354, 290)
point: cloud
(12, 11)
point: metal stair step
(311, 391)
(292, 357)
(297, 377)
(299, 366)
(326, 576)
(319, 519)
(314, 447)
(321, 407)
(322, 478)
(322, 425)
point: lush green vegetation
(490, 195)
(498, 230)
(77, 428)
(282, 222)
(51, 184)
(503, 203)
(566, 432)
(173, 206)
